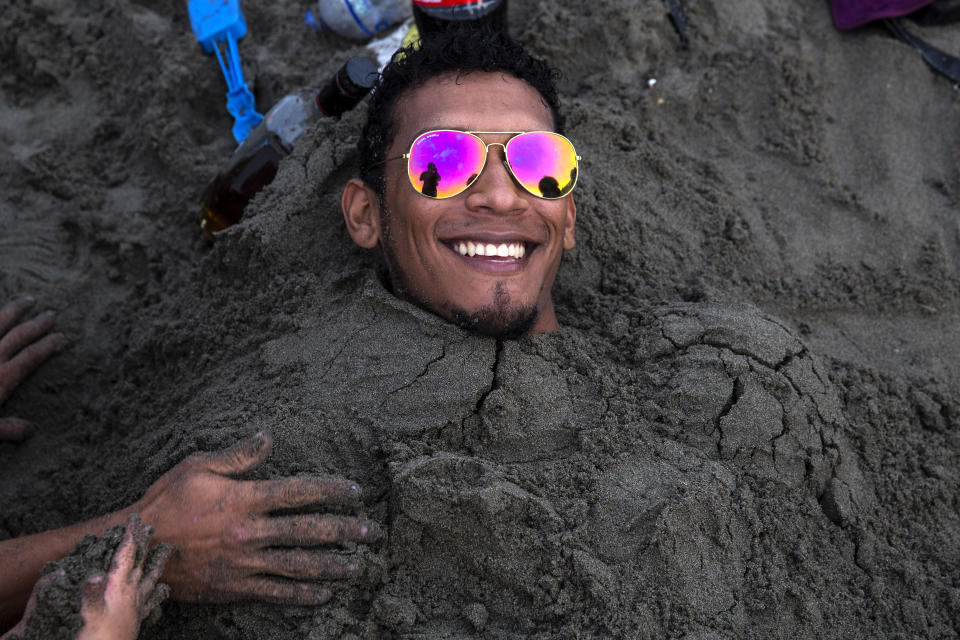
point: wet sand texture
(748, 428)
(57, 614)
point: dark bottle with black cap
(435, 16)
(254, 163)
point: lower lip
(494, 264)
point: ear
(569, 241)
(361, 212)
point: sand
(748, 427)
(57, 615)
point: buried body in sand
(696, 483)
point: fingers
(93, 601)
(286, 493)
(14, 429)
(305, 564)
(13, 372)
(313, 530)
(124, 563)
(153, 567)
(23, 334)
(242, 457)
(12, 311)
(42, 585)
(112, 606)
(154, 600)
(281, 591)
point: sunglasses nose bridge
(503, 149)
(504, 161)
(498, 192)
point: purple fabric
(848, 14)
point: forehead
(477, 101)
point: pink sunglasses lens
(544, 163)
(444, 163)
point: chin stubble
(501, 319)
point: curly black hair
(460, 50)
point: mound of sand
(749, 426)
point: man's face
(421, 237)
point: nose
(495, 190)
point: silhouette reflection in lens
(565, 189)
(549, 187)
(430, 179)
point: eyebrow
(465, 130)
(423, 131)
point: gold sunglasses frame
(486, 154)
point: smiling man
(466, 182)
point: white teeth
(504, 250)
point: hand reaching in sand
(114, 605)
(23, 348)
(229, 545)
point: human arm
(23, 348)
(113, 604)
(229, 547)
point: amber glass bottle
(254, 163)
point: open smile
(492, 256)
(471, 248)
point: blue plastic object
(218, 24)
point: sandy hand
(23, 348)
(113, 606)
(229, 545)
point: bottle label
(448, 3)
(457, 9)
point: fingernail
(95, 580)
(29, 299)
(49, 312)
(363, 530)
(355, 488)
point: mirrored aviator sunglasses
(444, 163)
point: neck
(546, 320)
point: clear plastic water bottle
(358, 19)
